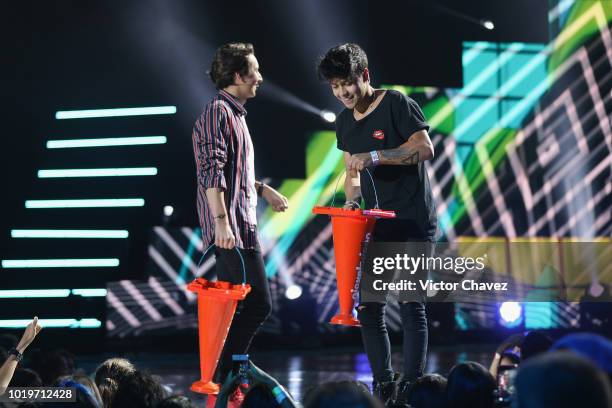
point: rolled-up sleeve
(210, 138)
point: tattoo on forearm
(400, 156)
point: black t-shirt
(403, 189)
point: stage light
(168, 210)
(69, 233)
(107, 141)
(328, 116)
(60, 263)
(293, 292)
(272, 91)
(279, 94)
(108, 172)
(107, 113)
(86, 203)
(510, 313)
(488, 24)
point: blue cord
(239, 255)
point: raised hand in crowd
(16, 353)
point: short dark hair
(229, 59)
(346, 61)
(138, 390)
(535, 342)
(25, 377)
(561, 379)
(341, 394)
(470, 385)
(8, 341)
(428, 391)
(51, 364)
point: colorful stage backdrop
(523, 149)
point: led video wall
(523, 149)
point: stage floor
(298, 371)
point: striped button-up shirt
(224, 159)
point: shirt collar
(236, 106)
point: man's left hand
(359, 161)
(277, 201)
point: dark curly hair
(229, 59)
(346, 61)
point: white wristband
(375, 157)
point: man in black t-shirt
(384, 133)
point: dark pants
(376, 339)
(414, 321)
(252, 311)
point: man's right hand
(224, 237)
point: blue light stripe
(34, 293)
(101, 292)
(60, 263)
(86, 203)
(53, 323)
(36, 233)
(50, 293)
(107, 113)
(104, 172)
(105, 142)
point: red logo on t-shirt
(378, 134)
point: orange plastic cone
(217, 303)
(349, 228)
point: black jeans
(252, 311)
(413, 317)
(376, 339)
